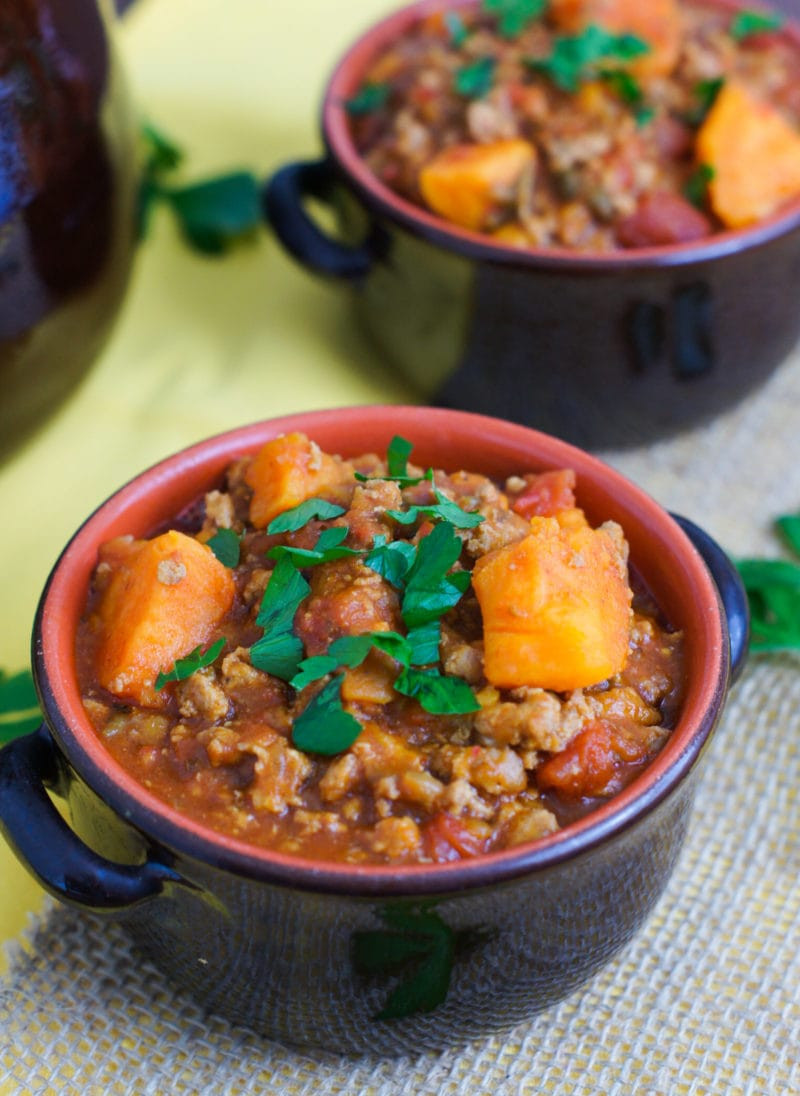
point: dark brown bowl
(68, 189)
(608, 350)
(278, 942)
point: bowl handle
(282, 201)
(731, 591)
(66, 867)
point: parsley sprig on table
(422, 573)
(212, 214)
(773, 593)
(19, 705)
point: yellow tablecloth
(707, 999)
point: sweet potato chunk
(656, 22)
(755, 154)
(163, 599)
(556, 608)
(464, 183)
(287, 471)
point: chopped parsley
(226, 546)
(185, 667)
(696, 186)
(330, 545)
(745, 24)
(705, 93)
(369, 98)
(579, 57)
(474, 80)
(456, 28)
(324, 726)
(421, 573)
(513, 16)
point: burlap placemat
(705, 1000)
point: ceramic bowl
(603, 351)
(271, 940)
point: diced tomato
(594, 763)
(546, 494)
(446, 837)
(663, 218)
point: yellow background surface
(202, 344)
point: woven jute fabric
(705, 1000)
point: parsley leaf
(630, 92)
(277, 653)
(747, 23)
(225, 544)
(437, 693)
(185, 667)
(514, 15)
(19, 705)
(392, 560)
(576, 57)
(368, 98)
(474, 80)
(424, 643)
(696, 186)
(705, 93)
(324, 726)
(298, 516)
(430, 591)
(211, 214)
(773, 593)
(329, 546)
(397, 455)
(280, 651)
(443, 510)
(285, 590)
(215, 213)
(456, 28)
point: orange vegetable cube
(656, 22)
(755, 154)
(164, 598)
(287, 471)
(464, 183)
(556, 607)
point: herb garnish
(473, 81)
(198, 659)
(212, 214)
(630, 92)
(513, 16)
(773, 593)
(324, 726)
(696, 186)
(369, 98)
(578, 57)
(226, 546)
(747, 23)
(19, 705)
(705, 93)
(429, 589)
(298, 516)
(456, 28)
(444, 509)
(279, 651)
(329, 546)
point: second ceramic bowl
(608, 350)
